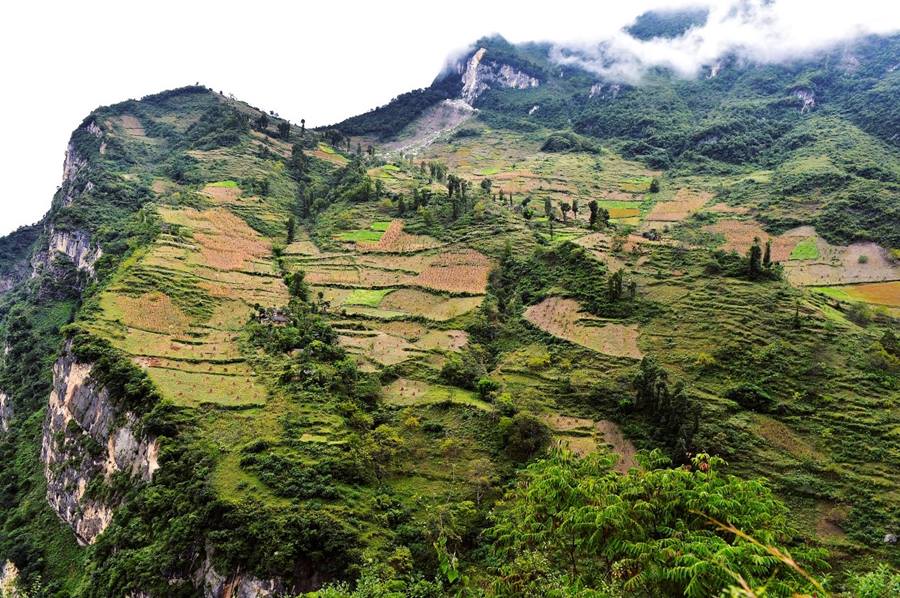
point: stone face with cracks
(86, 438)
(479, 75)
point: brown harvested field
(464, 271)
(226, 241)
(443, 340)
(392, 261)
(723, 208)
(428, 305)
(880, 293)
(369, 277)
(152, 311)
(332, 276)
(685, 203)
(565, 423)
(612, 436)
(131, 125)
(411, 331)
(303, 247)
(563, 318)
(394, 240)
(222, 194)
(383, 348)
(334, 158)
(739, 235)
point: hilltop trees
(284, 130)
(598, 215)
(675, 414)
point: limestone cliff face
(86, 439)
(479, 75)
(75, 180)
(76, 245)
(9, 581)
(6, 412)
(236, 585)
(807, 99)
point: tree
(291, 223)
(767, 257)
(592, 220)
(262, 122)
(565, 207)
(675, 414)
(603, 217)
(486, 186)
(575, 207)
(754, 258)
(284, 129)
(298, 286)
(574, 522)
(401, 206)
(524, 436)
(548, 208)
(614, 285)
(654, 185)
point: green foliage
(388, 120)
(567, 141)
(880, 583)
(524, 436)
(673, 411)
(575, 523)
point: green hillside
(608, 341)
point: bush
(524, 436)
(749, 396)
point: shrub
(750, 396)
(524, 436)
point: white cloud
(321, 61)
(758, 30)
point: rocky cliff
(480, 74)
(75, 245)
(6, 412)
(86, 441)
(236, 585)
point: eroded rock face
(6, 412)
(85, 439)
(75, 245)
(479, 75)
(238, 585)
(9, 581)
(807, 99)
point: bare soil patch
(565, 319)
(612, 436)
(685, 203)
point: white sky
(322, 61)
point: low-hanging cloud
(759, 31)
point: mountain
(527, 331)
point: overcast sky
(321, 61)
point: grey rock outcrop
(6, 412)
(86, 438)
(236, 585)
(479, 75)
